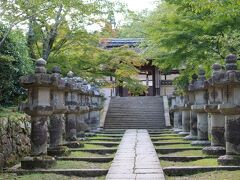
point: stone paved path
(136, 158)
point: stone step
(136, 117)
(136, 158)
(67, 172)
(133, 127)
(135, 112)
(140, 120)
(134, 124)
(183, 171)
(131, 120)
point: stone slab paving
(136, 158)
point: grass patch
(39, 176)
(202, 162)
(103, 137)
(187, 153)
(172, 140)
(87, 154)
(10, 112)
(81, 165)
(174, 146)
(166, 136)
(97, 141)
(209, 176)
(163, 135)
(93, 146)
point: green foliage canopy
(14, 62)
(186, 34)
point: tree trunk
(31, 38)
(49, 40)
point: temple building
(159, 83)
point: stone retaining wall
(14, 138)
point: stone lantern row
(58, 106)
(218, 98)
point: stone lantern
(97, 101)
(193, 115)
(185, 115)
(39, 108)
(83, 109)
(94, 117)
(87, 102)
(231, 109)
(173, 103)
(57, 119)
(218, 120)
(201, 99)
(178, 114)
(71, 102)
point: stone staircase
(135, 113)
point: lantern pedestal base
(74, 144)
(190, 137)
(177, 130)
(214, 150)
(36, 162)
(229, 160)
(58, 151)
(201, 143)
(184, 133)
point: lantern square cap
(40, 78)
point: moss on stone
(11, 112)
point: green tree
(56, 31)
(186, 34)
(14, 62)
(46, 18)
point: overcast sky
(138, 5)
(134, 5)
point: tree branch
(51, 37)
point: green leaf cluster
(184, 34)
(14, 62)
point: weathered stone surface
(38, 162)
(39, 108)
(39, 135)
(56, 130)
(136, 158)
(71, 131)
(230, 108)
(201, 97)
(1, 161)
(14, 139)
(217, 120)
(58, 151)
(193, 115)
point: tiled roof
(118, 42)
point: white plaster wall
(166, 111)
(108, 93)
(166, 90)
